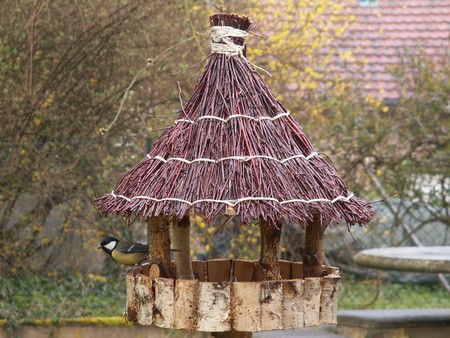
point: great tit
(124, 252)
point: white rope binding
(233, 203)
(221, 42)
(243, 158)
(212, 117)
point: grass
(26, 296)
(57, 298)
(371, 294)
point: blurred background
(367, 80)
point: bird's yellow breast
(129, 258)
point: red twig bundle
(230, 87)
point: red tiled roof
(380, 35)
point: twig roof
(234, 145)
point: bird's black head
(108, 244)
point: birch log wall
(238, 302)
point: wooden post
(214, 306)
(159, 240)
(293, 293)
(186, 298)
(164, 305)
(270, 238)
(313, 252)
(246, 306)
(144, 299)
(311, 302)
(131, 314)
(328, 299)
(181, 245)
(232, 334)
(271, 300)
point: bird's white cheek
(111, 245)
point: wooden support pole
(232, 334)
(270, 238)
(159, 240)
(181, 245)
(313, 253)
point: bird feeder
(236, 151)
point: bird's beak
(99, 247)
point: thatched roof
(234, 145)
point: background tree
(64, 67)
(401, 147)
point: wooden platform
(230, 295)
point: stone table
(433, 259)
(432, 323)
